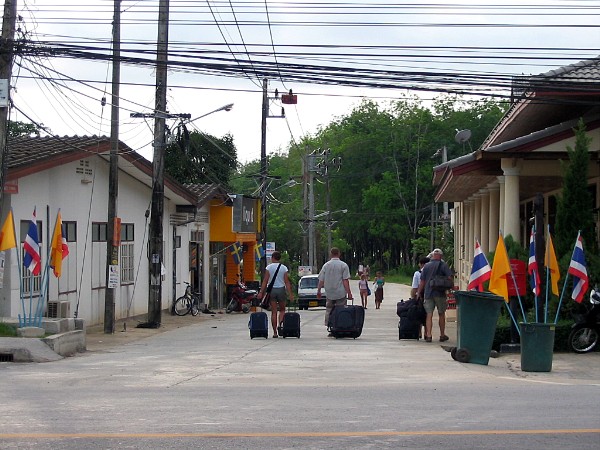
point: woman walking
(363, 286)
(378, 286)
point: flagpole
(547, 275)
(19, 273)
(517, 291)
(513, 318)
(566, 278)
(537, 288)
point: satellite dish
(462, 136)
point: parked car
(307, 292)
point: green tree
(202, 158)
(575, 204)
(16, 129)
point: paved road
(207, 385)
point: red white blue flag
(481, 271)
(532, 266)
(578, 269)
(31, 246)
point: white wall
(86, 202)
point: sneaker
(444, 338)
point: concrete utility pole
(158, 168)
(6, 61)
(113, 231)
(263, 176)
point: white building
(71, 174)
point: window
(99, 232)
(127, 232)
(70, 229)
(127, 263)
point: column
(485, 216)
(494, 222)
(501, 207)
(511, 199)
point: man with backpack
(433, 275)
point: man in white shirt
(335, 277)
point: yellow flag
(7, 234)
(551, 263)
(500, 270)
(59, 248)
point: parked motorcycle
(585, 333)
(241, 299)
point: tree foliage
(202, 158)
(17, 129)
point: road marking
(559, 383)
(293, 434)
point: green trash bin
(477, 315)
(537, 346)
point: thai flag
(577, 268)
(532, 267)
(31, 246)
(481, 271)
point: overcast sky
(223, 49)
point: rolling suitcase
(290, 326)
(412, 316)
(408, 328)
(347, 321)
(258, 325)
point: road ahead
(208, 385)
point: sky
(330, 53)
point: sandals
(428, 339)
(444, 338)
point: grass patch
(8, 330)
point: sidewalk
(126, 330)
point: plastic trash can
(537, 346)
(477, 317)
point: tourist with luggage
(335, 277)
(436, 279)
(277, 271)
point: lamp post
(155, 243)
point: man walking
(335, 277)
(434, 297)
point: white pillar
(511, 199)
(500, 209)
(476, 223)
(485, 216)
(494, 222)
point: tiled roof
(205, 192)
(582, 71)
(30, 150)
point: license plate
(311, 304)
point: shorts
(436, 302)
(278, 295)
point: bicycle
(188, 302)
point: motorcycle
(585, 333)
(241, 299)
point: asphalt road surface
(208, 386)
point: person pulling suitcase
(280, 282)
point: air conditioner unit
(59, 309)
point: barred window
(127, 263)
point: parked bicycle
(188, 303)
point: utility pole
(6, 61)
(113, 230)
(264, 170)
(263, 176)
(158, 167)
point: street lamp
(155, 240)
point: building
(70, 174)
(493, 188)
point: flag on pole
(481, 270)
(32, 260)
(578, 269)
(59, 248)
(259, 251)
(532, 267)
(7, 234)
(552, 264)
(500, 271)
(236, 252)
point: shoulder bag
(266, 301)
(440, 282)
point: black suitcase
(259, 325)
(347, 321)
(290, 326)
(408, 328)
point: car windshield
(309, 283)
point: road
(207, 385)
